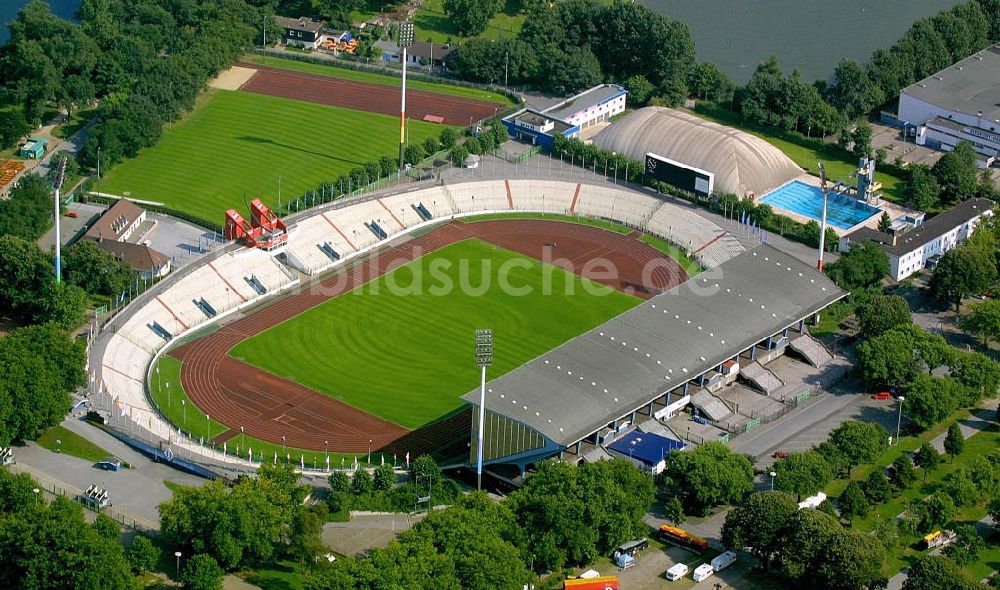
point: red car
(882, 395)
(781, 454)
(72, 214)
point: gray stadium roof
(575, 389)
(968, 86)
(741, 162)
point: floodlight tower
(484, 358)
(405, 40)
(822, 226)
(58, 185)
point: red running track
(362, 96)
(269, 407)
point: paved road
(137, 490)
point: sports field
(401, 347)
(236, 145)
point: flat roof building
(921, 246)
(595, 105)
(960, 102)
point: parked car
(781, 454)
(882, 395)
(72, 214)
(110, 464)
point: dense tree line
(954, 178)
(145, 60)
(29, 293)
(49, 545)
(27, 213)
(566, 46)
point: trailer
(683, 538)
(702, 572)
(676, 572)
(723, 560)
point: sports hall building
(642, 364)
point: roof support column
(753, 353)
(686, 385)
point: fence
(59, 488)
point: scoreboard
(689, 178)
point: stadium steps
(451, 200)
(810, 349)
(711, 406)
(761, 377)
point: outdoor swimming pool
(842, 211)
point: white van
(703, 571)
(676, 572)
(723, 560)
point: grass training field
(409, 357)
(237, 144)
(333, 71)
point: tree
(935, 572)
(143, 555)
(339, 481)
(447, 138)
(640, 90)
(13, 126)
(361, 482)
(977, 373)
(470, 17)
(458, 155)
(852, 560)
(28, 212)
(954, 442)
(864, 265)
(708, 81)
(926, 458)
(956, 171)
(804, 540)
(876, 488)
(960, 487)
(934, 511)
(383, 478)
(709, 475)
(993, 509)
(673, 510)
(853, 93)
(861, 138)
(802, 474)
(431, 145)
(412, 154)
(967, 546)
(304, 531)
(853, 501)
(902, 472)
(923, 189)
(882, 313)
(930, 400)
(961, 272)
(983, 320)
(885, 223)
(201, 572)
(755, 524)
(860, 442)
(94, 270)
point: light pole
(773, 475)
(326, 445)
(822, 226)
(177, 554)
(484, 358)
(58, 186)
(369, 451)
(405, 40)
(158, 377)
(184, 410)
(242, 439)
(899, 418)
(169, 396)
(208, 424)
(282, 445)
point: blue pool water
(842, 211)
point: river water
(811, 35)
(9, 9)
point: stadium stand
(760, 377)
(401, 207)
(628, 207)
(711, 406)
(479, 196)
(815, 353)
(543, 195)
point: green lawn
(235, 145)
(59, 439)
(432, 24)
(359, 76)
(400, 347)
(75, 123)
(806, 153)
(173, 402)
(690, 265)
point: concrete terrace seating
(304, 240)
(480, 196)
(761, 377)
(436, 200)
(126, 358)
(352, 219)
(625, 206)
(402, 210)
(543, 195)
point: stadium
(275, 350)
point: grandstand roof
(575, 389)
(741, 162)
(968, 86)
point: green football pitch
(236, 145)
(402, 346)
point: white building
(921, 247)
(961, 102)
(598, 104)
